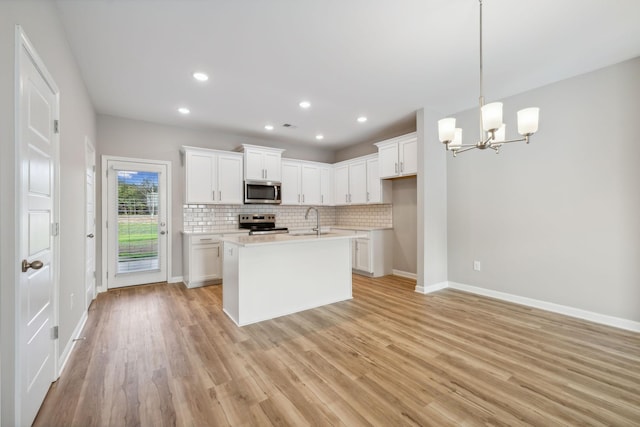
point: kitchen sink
(309, 233)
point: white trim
(105, 213)
(603, 319)
(432, 288)
(405, 274)
(176, 279)
(64, 357)
(89, 147)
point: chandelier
(492, 130)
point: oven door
(262, 192)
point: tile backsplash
(199, 218)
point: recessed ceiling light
(201, 77)
(268, 127)
(184, 110)
(319, 137)
(362, 119)
(305, 104)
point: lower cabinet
(201, 260)
(371, 252)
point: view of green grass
(137, 239)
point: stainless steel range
(260, 224)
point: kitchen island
(275, 275)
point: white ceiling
(380, 58)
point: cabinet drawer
(196, 240)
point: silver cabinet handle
(367, 196)
(346, 198)
(220, 194)
(322, 198)
(214, 195)
(91, 236)
(401, 167)
(218, 251)
(396, 168)
(36, 265)
(303, 198)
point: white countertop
(271, 239)
(356, 227)
(218, 232)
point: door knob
(163, 232)
(36, 265)
(91, 236)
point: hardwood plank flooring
(164, 355)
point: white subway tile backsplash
(204, 218)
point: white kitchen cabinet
(398, 156)
(262, 163)
(326, 185)
(357, 182)
(310, 184)
(291, 186)
(202, 259)
(372, 251)
(305, 183)
(363, 255)
(212, 176)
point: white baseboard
(177, 279)
(64, 357)
(406, 274)
(603, 319)
(431, 288)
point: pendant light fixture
(492, 130)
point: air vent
(289, 125)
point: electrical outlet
(476, 265)
(71, 304)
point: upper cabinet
(212, 176)
(306, 183)
(398, 156)
(262, 163)
(357, 182)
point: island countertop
(285, 238)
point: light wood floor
(166, 355)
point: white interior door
(38, 215)
(136, 223)
(90, 223)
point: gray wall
(137, 139)
(405, 237)
(39, 21)
(557, 220)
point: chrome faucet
(306, 216)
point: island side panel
(280, 279)
(230, 281)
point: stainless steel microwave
(262, 192)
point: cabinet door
(326, 186)
(272, 166)
(374, 194)
(388, 156)
(205, 262)
(253, 165)
(363, 255)
(200, 185)
(341, 181)
(310, 184)
(408, 157)
(290, 183)
(230, 179)
(358, 182)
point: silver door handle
(91, 236)
(36, 265)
